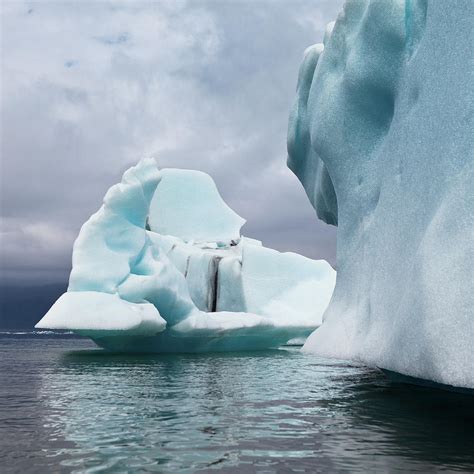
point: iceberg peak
(188, 205)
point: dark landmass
(21, 307)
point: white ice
(102, 314)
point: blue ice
(381, 137)
(162, 267)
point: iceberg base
(407, 379)
(166, 343)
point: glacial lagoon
(67, 406)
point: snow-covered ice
(162, 267)
(381, 137)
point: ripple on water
(65, 404)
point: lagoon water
(67, 406)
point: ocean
(67, 406)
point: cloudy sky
(88, 88)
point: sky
(89, 88)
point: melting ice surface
(381, 138)
(161, 267)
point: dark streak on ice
(213, 284)
(187, 266)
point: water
(66, 406)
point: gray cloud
(89, 88)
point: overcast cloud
(88, 88)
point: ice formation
(161, 267)
(381, 137)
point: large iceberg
(162, 267)
(381, 137)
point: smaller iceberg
(162, 267)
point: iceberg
(380, 136)
(162, 267)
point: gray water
(66, 406)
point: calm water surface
(66, 406)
